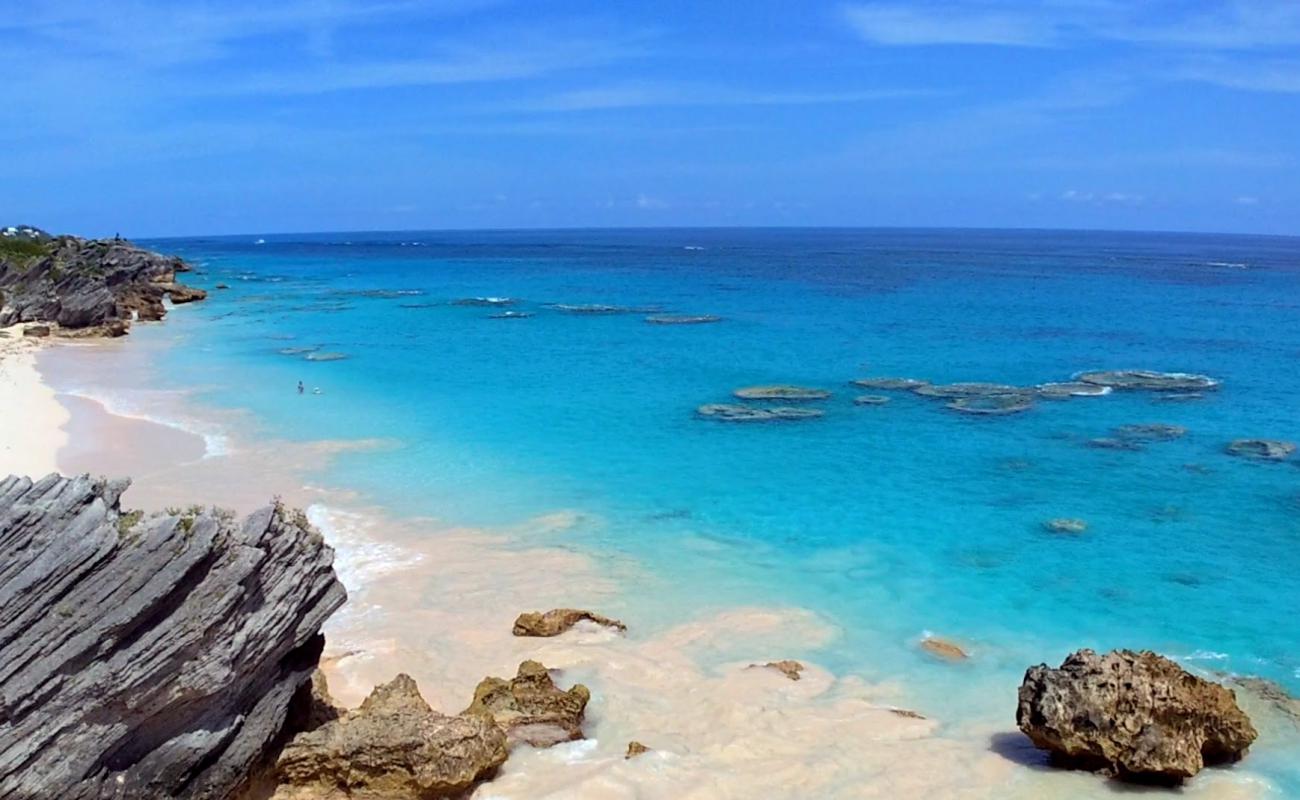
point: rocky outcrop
(1064, 390)
(786, 667)
(902, 384)
(393, 746)
(1148, 380)
(991, 404)
(1138, 716)
(559, 620)
(530, 708)
(80, 284)
(151, 657)
(634, 749)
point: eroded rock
(1064, 390)
(1138, 716)
(559, 620)
(530, 708)
(1142, 379)
(781, 392)
(903, 384)
(992, 404)
(786, 667)
(974, 389)
(393, 746)
(149, 657)
(635, 749)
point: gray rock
(728, 412)
(149, 658)
(991, 404)
(781, 392)
(960, 390)
(1150, 432)
(890, 383)
(80, 283)
(1067, 389)
(870, 400)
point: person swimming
(301, 388)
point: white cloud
(913, 24)
(643, 95)
(1246, 200)
(647, 203)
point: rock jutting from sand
(1149, 432)
(1066, 525)
(559, 620)
(1137, 716)
(942, 648)
(682, 319)
(36, 331)
(393, 746)
(780, 392)
(149, 656)
(1064, 390)
(1261, 449)
(787, 667)
(728, 412)
(902, 384)
(325, 356)
(635, 749)
(870, 400)
(1141, 379)
(530, 708)
(992, 404)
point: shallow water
(885, 521)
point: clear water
(890, 520)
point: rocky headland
(86, 287)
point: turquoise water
(889, 520)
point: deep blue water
(889, 520)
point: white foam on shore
(143, 405)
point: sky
(170, 117)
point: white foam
(216, 442)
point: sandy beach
(437, 601)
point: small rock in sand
(530, 708)
(786, 667)
(559, 620)
(635, 749)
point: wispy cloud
(1215, 25)
(642, 95)
(1253, 76)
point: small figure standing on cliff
(300, 387)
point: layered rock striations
(85, 284)
(149, 657)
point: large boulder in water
(393, 746)
(1138, 716)
(149, 657)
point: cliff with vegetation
(84, 287)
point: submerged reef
(1138, 379)
(682, 319)
(781, 392)
(1261, 449)
(728, 412)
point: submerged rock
(728, 412)
(511, 315)
(781, 392)
(992, 404)
(1150, 432)
(682, 319)
(589, 308)
(1261, 449)
(484, 301)
(960, 390)
(1112, 443)
(1272, 693)
(149, 657)
(393, 746)
(1138, 716)
(870, 400)
(1149, 380)
(949, 651)
(1066, 389)
(325, 356)
(904, 384)
(530, 708)
(1066, 525)
(559, 620)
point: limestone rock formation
(530, 708)
(991, 404)
(634, 749)
(1138, 716)
(79, 283)
(559, 620)
(1066, 389)
(149, 657)
(394, 746)
(950, 391)
(1134, 379)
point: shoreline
(437, 601)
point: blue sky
(164, 117)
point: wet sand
(437, 602)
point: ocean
(889, 521)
